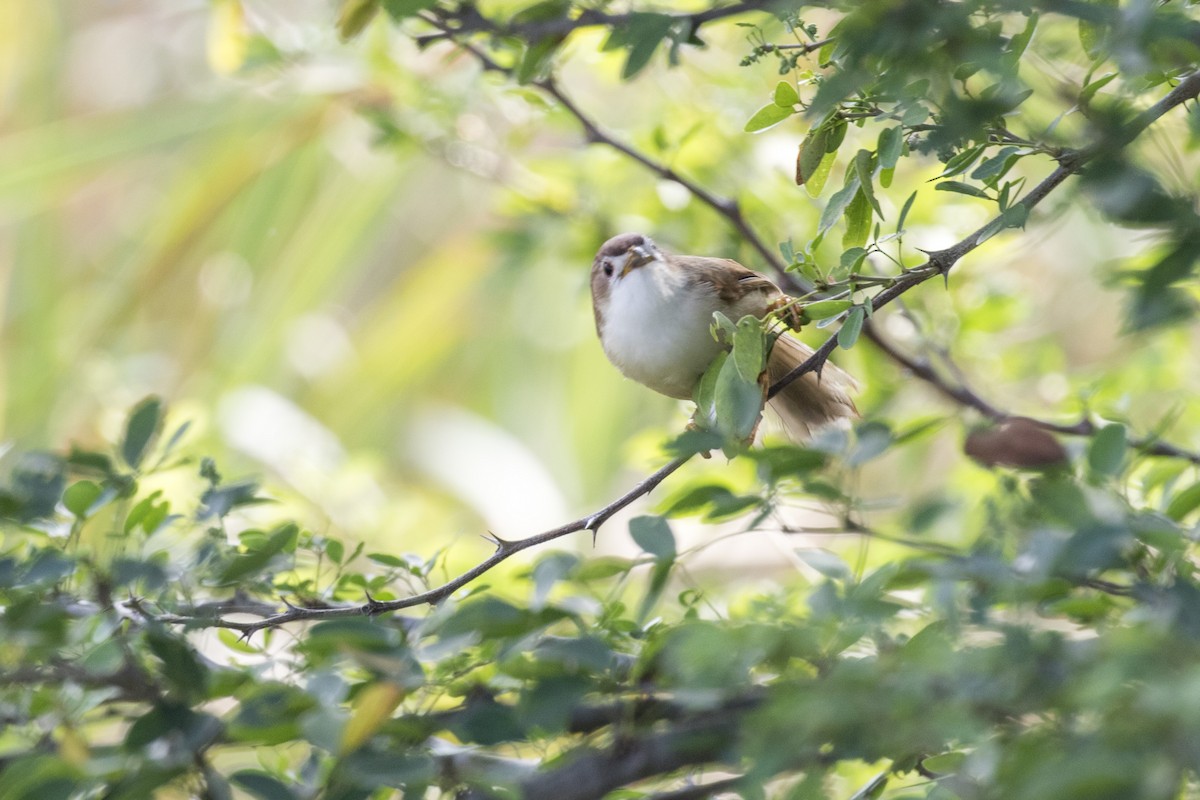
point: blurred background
(360, 270)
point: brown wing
(729, 279)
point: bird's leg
(787, 310)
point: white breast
(656, 329)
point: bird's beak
(636, 257)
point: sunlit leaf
(80, 497)
(257, 560)
(354, 16)
(372, 707)
(823, 309)
(785, 95)
(1184, 502)
(767, 116)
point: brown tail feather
(812, 400)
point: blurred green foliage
(354, 262)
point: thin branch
(963, 395)
(469, 21)
(131, 681)
(726, 207)
(504, 550)
(804, 48)
(706, 739)
(942, 261)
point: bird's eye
(608, 269)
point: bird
(654, 313)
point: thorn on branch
(372, 606)
(593, 524)
(941, 260)
(500, 544)
(136, 604)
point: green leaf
(837, 135)
(812, 153)
(960, 162)
(712, 500)
(738, 402)
(1018, 43)
(838, 203)
(149, 513)
(387, 560)
(823, 309)
(354, 16)
(335, 550)
(873, 789)
(816, 182)
(964, 71)
(536, 61)
(269, 713)
(403, 9)
(644, 32)
(749, 348)
(853, 258)
(254, 562)
(996, 166)
(1089, 91)
(141, 429)
(723, 328)
(848, 333)
(34, 777)
(220, 500)
(945, 763)
(767, 116)
(705, 396)
(785, 95)
(543, 11)
(262, 785)
(595, 569)
(80, 496)
(1107, 451)
(659, 576)
(788, 251)
(904, 211)
(828, 564)
(858, 221)
(547, 572)
(961, 188)
(889, 147)
(864, 164)
(1184, 503)
(871, 439)
(654, 536)
(182, 668)
(91, 461)
(1013, 217)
